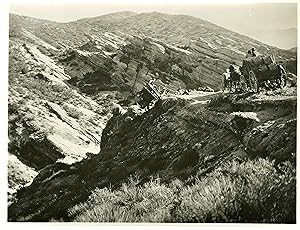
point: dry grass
(247, 192)
(131, 203)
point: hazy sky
(244, 18)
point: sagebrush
(251, 192)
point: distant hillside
(179, 30)
(293, 50)
(108, 17)
(285, 38)
(183, 51)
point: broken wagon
(148, 95)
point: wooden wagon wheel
(253, 81)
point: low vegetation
(251, 192)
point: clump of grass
(72, 112)
(131, 203)
(236, 192)
(248, 192)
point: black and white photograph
(169, 112)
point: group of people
(252, 53)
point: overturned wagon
(148, 95)
(263, 72)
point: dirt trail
(197, 97)
(202, 97)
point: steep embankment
(48, 120)
(175, 139)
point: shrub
(248, 192)
(131, 203)
(235, 192)
(219, 101)
(72, 112)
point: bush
(248, 192)
(219, 101)
(131, 203)
(72, 112)
(236, 192)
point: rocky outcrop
(48, 121)
(274, 139)
(266, 125)
(128, 65)
(19, 175)
(175, 139)
(121, 53)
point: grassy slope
(172, 141)
(235, 192)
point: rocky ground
(48, 121)
(131, 48)
(74, 125)
(175, 139)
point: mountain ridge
(119, 16)
(115, 15)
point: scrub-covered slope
(175, 139)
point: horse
(237, 81)
(226, 81)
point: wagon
(263, 72)
(148, 95)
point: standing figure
(226, 80)
(254, 52)
(235, 78)
(249, 54)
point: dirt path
(198, 97)
(201, 97)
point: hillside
(294, 49)
(77, 133)
(174, 140)
(173, 29)
(194, 52)
(48, 120)
(284, 38)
